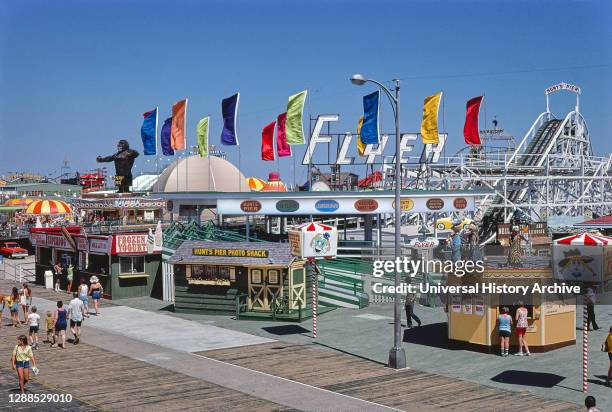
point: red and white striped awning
(585, 239)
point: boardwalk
(112, 382)
(366, 380)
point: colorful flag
(360, 145)
(229, 110)
(177, 133)
(282, 147)
(148, 132)
(267, 142)
(202, 133)
(293, 126)
(165, 138)
(470, 129)
(429, 125)
(370, 129)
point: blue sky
(76, 76)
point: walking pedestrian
(76, 311)
(13, 302)
(69, 278)
(456, 242)
(58, 269)
(521, 328)
(22, 356)
(607, 347)
(50, 325)
(83, 291)
(504, 324)
(3, 303)
(33, 322)
(60, 326)
(590, 299)
(409, 306)
(590, 404)
(96, 292)
(25, 300)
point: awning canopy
(585, 239)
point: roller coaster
(552, 172)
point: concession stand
(128, 264)
(472, 318)
(238, 277)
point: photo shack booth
(128, 264)
(249, 279)
(472, 318)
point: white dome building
(201, 174)
(189, 185)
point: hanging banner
(202, 134)
(293, 126)
(229, 110)
(470, 129)
(282, 147)
(177, 132)
(267, 142)
(360, 144)
(165, 138)
(148, 132)
(370, 128)
(479, 305)
(456, 302)
(429, 125)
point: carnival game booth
(245, 278)
(584, 258)
(472, 317)
(127, 264)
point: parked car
(13, 250)
(446, 223)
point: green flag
(293, 125)
(203, 136)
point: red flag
(177, 132)
(267, 142)
(470, 129)
(282, 147)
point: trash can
(48, 279)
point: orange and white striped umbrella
(48, 207)
(255, 184)
(20, 201)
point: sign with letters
(250, 253)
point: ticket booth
(217, 276)
(472, 318)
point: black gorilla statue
(124, 160)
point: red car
(13, 250)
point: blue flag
(165, 138)
(148, 132)
(370, 129)
(229, 109)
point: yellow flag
(429, 126)
(360, 145)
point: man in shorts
(76, 311)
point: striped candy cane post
(315, 276)
(585, 349)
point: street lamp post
(397, 355)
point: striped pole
(585, 349)
(315, 278)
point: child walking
(50, 324)
(504, 322)
(33, 322)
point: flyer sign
(456, 302)
(479, 305)
(467, 305)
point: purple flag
(165, 138)
(229, 109)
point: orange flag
(177, 132)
